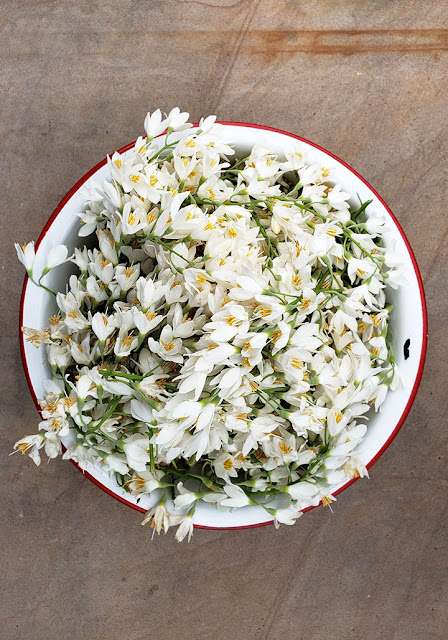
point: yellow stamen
(327, 500)
(23, 447)
(127, 342)
(284, 448)
(305, 304)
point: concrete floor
(368, 81)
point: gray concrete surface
(367, 80)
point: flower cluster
(226, 335)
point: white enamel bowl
(408, 323)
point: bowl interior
(408, 322)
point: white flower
(59, 357)
(136, 451)
(55, 424)
(185, 498)
(26, 256)
(302, 491)
(354, 468)
(206, 124)
(52, 445)
(31, 445)
(236, 497)
(37, 337)
(227, 323)
(286, 515)
(148, 292)
(141, 411)
(56, 256)
(154, 125)
(178, 120)
(116, 462)
(127, 276)
(146, 322)
(83, 456)
(185, 529)
(167, 347)
(145, 481)
(158, 517)
(103, 326)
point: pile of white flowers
(226, 334)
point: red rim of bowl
(408, 406)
